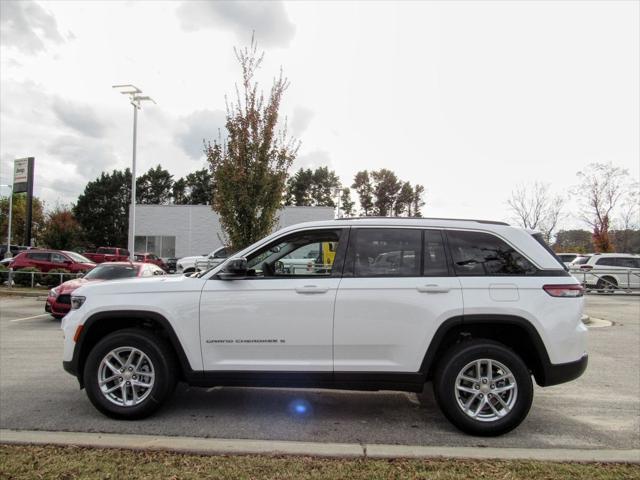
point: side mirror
(234, 269)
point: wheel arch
(515, 332)
(103, 323)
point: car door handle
(311, 289)
(432, 288)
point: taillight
(564, 290)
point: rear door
(40, 260)
(395, 292)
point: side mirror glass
(235, 268)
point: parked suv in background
(45, 260)
(476, 307)
(608, 271)
(108, 254)
(151, 258)
(190, 264)
(568, 258)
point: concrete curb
(17, 293)
(218, 446)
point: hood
(193, 259)
(71, 285)
(158, 284)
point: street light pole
(8, 253)
(135, 98)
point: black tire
(158, 352)
(607, 285)
(460, 355)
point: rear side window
(107, 250)
(608, 262)
(387, 252)
(41, 256)
(124, 252)
(628, 262)
(435, 260)
(476, 253)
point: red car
(108, 254)
(151, 258)
(45, 260)
(59, 299)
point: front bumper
(556, 373)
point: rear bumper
(556, 373)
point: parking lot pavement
(599, 410)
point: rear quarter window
(484, 254)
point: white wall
(197, 229)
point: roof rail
(373, 217)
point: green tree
(385, 190)
(312, 188)
(299, 188)
(578, 241)
(103, 209)
(346, 204)
(179, 192)
(418, 201)
(250, 165)
(61, 230)
(404, 200)
(325, 183)
(364, 189)
(200, 187)
(19, 218)
(154, 187)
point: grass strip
(67, 463)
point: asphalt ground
(599, 410)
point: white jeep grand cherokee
(476, 307)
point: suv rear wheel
(483, 387)
(129, 374)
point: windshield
(78, 258)
(580, 261)
(112, 272)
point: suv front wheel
(129, 374)
(483, 387)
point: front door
(280, 317)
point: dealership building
(185, 230)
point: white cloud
(27, 26)
(79, 117)
(203, 125)
(268, 19)
(301, 120)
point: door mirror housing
(234, 269)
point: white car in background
(607, 271)
(569, 258)
(202, 262)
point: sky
(469, 99)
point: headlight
(53, 292)
(76, 302)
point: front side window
(57, 258)
(387, 252)
(310, 253)
(476, 253)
